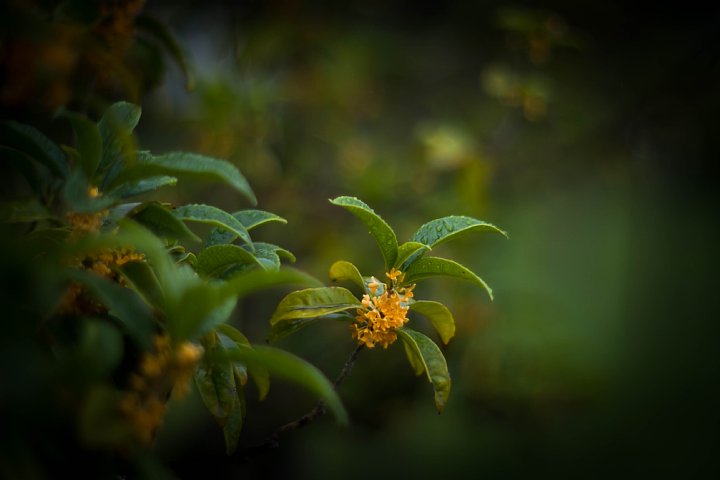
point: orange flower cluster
(383, 312)
(160, 371)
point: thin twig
(273, 441)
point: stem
(273, 441)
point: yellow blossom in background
(160, 371)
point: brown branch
(273, 441)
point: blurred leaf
(119, 146)
(343, 270)
(234, 421)
(213, 260)
(76, 193)
(100, 349)
(409, 250)
(213, 216)
(215, 380)
(123, 303)
(88, 141)
(24, 212)
(162, 34)
(138, 187)
(260, 375)
(254, 280)
(249, 218)
(433, 362)
(381, 231)
(285, 365)
(442, 267)
(142, 277)
(314, 302)
(162, 222)
(444, 229)
(30, 141)
(439, 315)
(191, 165)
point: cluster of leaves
(409, 264)
(82, 208)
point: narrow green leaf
(213, 216)
(160, 32)
(379, 229)
(87, 141)
(30, 141)
(191, 165)
(145, 185)
(285, 365)
(123, 303)
(215, 259)
(260, 375)
(119, 145)
(215, 381)
(433, 361)
(415, 362)
(444, 229)
(249, 218)
(439, 315)
(427, 267)
(408, 251)
(143, 279)
(314, 302)
(162, 221)
(234, 421)
(342, 270)
(24, 212)
(255, 280)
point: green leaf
(119, 145)
(342, 270)
(191, 165)
(162, 34)
(123, 303)
(213, 260)
(145, 185)
(215, 381)
(213, 216)
(432, 360)
(415, 362)
(285, 365)
(87, 141)
(442, 267)
(444, 229)
(381, 231)
(314, 302)
(260, 375)
(162, 221)
(439, 315)
(255, 280)
(24, 212)
(255, 218)
(408, 252)
(249, 218)
(30, 141)
(234, 421)
(142, 277)
(76, 193)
